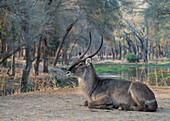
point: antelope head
(82, 65)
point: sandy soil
(67, 104)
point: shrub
(6, 63)
(132, 58)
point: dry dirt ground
(67, 104)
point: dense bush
(6, 63)
(159, 78)
(132, 58)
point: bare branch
(8, 54)
(148, 2)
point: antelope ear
(88, 61)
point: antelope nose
(68, 73)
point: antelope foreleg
(105, 102)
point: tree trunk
(33, 51)
(13, 65)
(160, 51)
(116, 53)
(149, 53)
(45, 65)
(141, 42)
(113, 54)
(146, 46)
(45, 56)
(131, 45)
(2, 47)
(26, 70)
(146, 51)
(37, 61)
(101, 55)
(64, 58)
(153, 52)
(120, 51)
(23, 54)
(168, 50)
(107, 54)
(136, 45)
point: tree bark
(146, 46)
(13, 65)
(131, 45)
(45, 56)
(26, 70)
(168, 50)
(120, 51)
(146, 51)
(3, 42)
(113, 54)
(64, 58)
(9, 54)
(37, 54)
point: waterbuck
(105, 93)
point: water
(156, 76)
(108, 75)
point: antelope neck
(89, 81)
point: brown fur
(111, 93)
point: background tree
(157, 15)
(46, 32)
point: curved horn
(97, 50)
(87, 47)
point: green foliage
(9, 63)
(57, 80)
(117, 68)
(122, 79)
(30, 88)
(110, 69)
(72, 85)
(160, 77)
(6, 63)
(131, 70)
(132, 57)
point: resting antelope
(104, 93)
